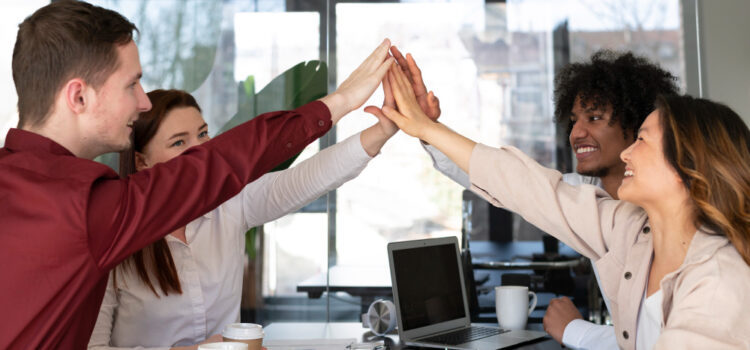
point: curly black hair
(629, 83)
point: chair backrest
(471, 286)
(483, 221)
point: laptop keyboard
(463, 335)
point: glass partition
(491, 63)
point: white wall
(724, 39)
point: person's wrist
(425, 142)
(428, 130)
(386, 132)
(337, 104)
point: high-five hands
(427, 100)
(419, 119)
(386, 125)
(409, 117)
(361, 83)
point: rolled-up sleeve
(582, 217)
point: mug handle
(533, 302)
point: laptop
(430, 298)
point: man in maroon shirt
(65, 220)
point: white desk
(320, 330)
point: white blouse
(210, 265)
(649, 321)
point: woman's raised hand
(361, 83)
(427, 100)
(409, 117)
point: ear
(75, 94)
(140, 161)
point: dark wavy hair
(708, 145)
(629, 83)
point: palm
(429, 104)
(386, 125)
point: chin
(593, 172)
(628, 196)
(123, 146)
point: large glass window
(491, 63)
(12, 13)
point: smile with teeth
(585, 149)
(628, 172)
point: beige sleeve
(582, 217)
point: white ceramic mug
(512, 306)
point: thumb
(375, 111)
(392, 114)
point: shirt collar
(19, 140)
(704, 245)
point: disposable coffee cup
(248, 333)
(223, 346)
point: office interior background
(491, 63)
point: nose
(578, 131)
(144, 103)
(625, 154)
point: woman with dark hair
(183, 289)
(673, 252)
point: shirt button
(289, 145)
(321, 123)
(628, 275)
(646, 229)
(625, 334)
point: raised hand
(361, 83)
(427, 100)
(409, 117)
(412, 120)
(387, 127)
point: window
(491, 64)
(11, 14)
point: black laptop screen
(429, 286)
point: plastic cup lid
(243, 331)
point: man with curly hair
(602, 102)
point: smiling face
(115, 105)
(182, 128)
(648, 175)
(596, 143)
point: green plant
(301, 84)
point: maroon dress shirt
(66, 221)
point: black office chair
(477, 314)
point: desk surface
(319, 330)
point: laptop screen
(429, 285)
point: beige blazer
(706, 302)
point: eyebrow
(179, 134)
(184, 133)
(641, 130)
